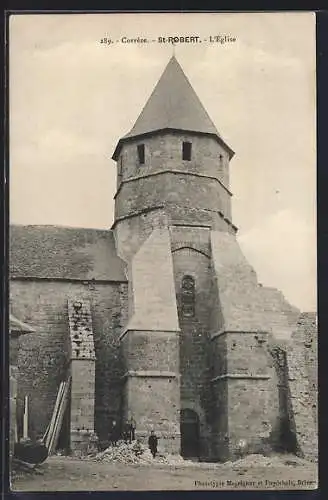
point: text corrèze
(193, 39)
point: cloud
(282, 249)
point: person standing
(114, 433)
(127, 432)
(133, 426)
(152, 443)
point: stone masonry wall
(152, 285)
(246, 306)
(164, 151)
(254, 412)
(284, 438)
(302, 383)
(307, 326)
(149, 343)
(196, 217)
(44, 357)
(251, 317)
(188, 191)
(82, 371)
(154, 351)
(249, 412)
(151, 383)
(194, 335)
(12, 407)
(244, 378)
(218, 367)
(163, 415)
(131, 233)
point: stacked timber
(50, 438)
(28, 452)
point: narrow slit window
(188, 296)
(186, 151)
(141, 153)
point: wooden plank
(51, 423)
(54, 415)
(46, 433)
(25, 419)
(55, 423)
(59, 419)
(15, 431)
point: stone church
(161, 317)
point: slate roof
(175, 105)
(64, 253)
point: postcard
(163, 311)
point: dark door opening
(189, 428)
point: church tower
(172, 162)
(195, 347)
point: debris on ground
(135, 453)
(274, 460)
(138, 453)
(19, 468)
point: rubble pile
(126, 453)
(136, 453)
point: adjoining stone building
(173, 327)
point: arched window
(188, 296)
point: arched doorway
(189, 428)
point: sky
(72, 98)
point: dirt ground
(60, 473)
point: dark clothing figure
(152, 443)
(114, 435)
(132, 429)
(127, 432)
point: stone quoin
(174, 328)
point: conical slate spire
(173, 104)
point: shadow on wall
(283, 438)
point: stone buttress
(247, 321)
(82, 371)
(150, 345)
